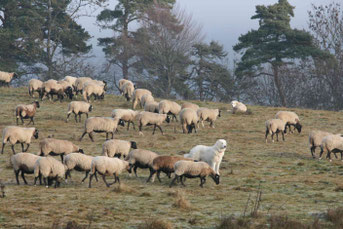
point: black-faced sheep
(6, 77)
(78, 162)
(275, 126)
(189, 119)
(206, 114)
(140, 158)
(117, 148)
(24, 111)
(315, 139)
(169, 107)
(291, 119)
(78, 108)
(35, 85)
(137, 96)
(24, 163)
(146, 118)
(55, 147)
(15, 134)
(126, 115)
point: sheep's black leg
(17, 121)
(40, 179)
(22, 120)
(44, 180)
(160, 129)
(91, 137)
(154, 129)
(86, 115)
(283, 136)
(90, 180)
(2, 148)
(84, 133)
(17, 176)
(35, 181)
(118, 179)
(277, 136)
(133, 125)
(173, 181)
(33, 122)
(75, 117)
(313, 148)
(273, 137)
(106, 135)
(135, 170)
(158, 176)
(128, 125)
(267, 132)
(28, 145)
(181, 178)
(87, 172)
(140, 127)
(66, 174)
(112, 135)
(80, 117)
(96, 177)
(104, 178)
(152, 172)
(22, 147)
(23, 176)
(13, 149)
(329, 155)
(62, 158)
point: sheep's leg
(104, 178)
(61, 158)
(128, 125)
(152, 172)
(160, 129)
(184, 128)
(22, 120)
(17, 121)
(133, 125)
(96, 177)
(23, 176)
(112, 135)
(277, 136)
(84, 133)
(183, 184)
(66, 175)
(22, 147)
(154, 129)
(283, 136)
(80, 117)
(118, 180)
(13, 149)
(33, 122)
(28, 145)
(90, 180)
(173, 181)
(2, 148)
(329, 155)
(87, 172)
(35, 181)
(106, 135)
(158, 176)
(45, 183)
(135, 170)
(321, 153)
(313, 148)
(17, 176)
(86, 115)
(273, 137)
(40, 179)
(91, 136)
(267, 132)
(202, 181)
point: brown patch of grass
(146, 194)
(70, 225)
(231, 222)
(284, 222)
(181, 201)
(339, 188)
(335, 217)
(154, 223)
(122, 188)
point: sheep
(332, 144)
(315, 139)
(140, 158)
(146, 99)
(238, 107)
(78, 108)
(79, 162)
(107, 166)
(189, 105)
(50, 88)
(151, 106)
(164, 164)
(35, 85)
(126, 115)
(70, 79)
(6, 77)
(146, 118)
(191, 169)
(79, 82)
(127, 90)
(55, 147)
(117, 148)
(210, 115)
(212, 155)
(23, 111)
(15, 134)
(188, 118)
(24, 163)
(291, 119)
(67, 88)
(92, 88)
(169, 107)
(121, 83)
(50, 168)
(99, 125)
(137, 96)
(274, 126)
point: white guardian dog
(212, 155)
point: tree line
(160, 47)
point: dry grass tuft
(154, 223)
(122, 188)
(70, 225)
(181, 202)
(283, 222)
(231, 222)
(335, 217)
(145, 194)
(339, 188)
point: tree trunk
(125, 37)
(279, 86)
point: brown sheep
(23, 111)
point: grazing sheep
(15, 134)
(79, 82)
(107, 166)
(137, 96)
(238, 107)
(51, 88)
(126, 115)
(55, 147)
(78, 108)
(206, 114)
(212, 155)
(189, 105)
(100, 125)
(146, 118)
(24, 163)
(140, 158)
(315, 139)
(191, 169)
(332, 144)
(169, 107)
(6, 77)
(35, 85)
(67, 88)
(23, 111)
(128, 89)
(274, 126)
(92, 88)
(291, 119)
(146, 99)
(121, 83)
(50, 168)
(79, 162)
(151, 107)
(164, 164)
(117, 148)
(188, 118)
(70, 79)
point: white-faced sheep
(55, 147)
(191, 169)
(151, 106)
(169, 107)
(146, 99)
(146, 118)
(24, 111)
(275, 126)
(291, 119)
(212, 155)
(315, 139)
(15, 134)
(35, 85)
(78, 108)
(332, 144)
(117, 148)
(127, 90)
(50, 169)
(107, 166)
(101, 125)
(189, 119)
(189, 105)
(6, 77)
(24, 163)
(92, 88)
(79, 162)
(137, 96)
(126, 115)
(140, 158)
(209, 115)
(238, 107)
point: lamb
(24, 163)
(50, 88)
(107, 166)
(146, 99)
(238, 107)
(117, 148)
(127, 90)
(79, 162)
(332, 144)
(23, 111)
(148, 118)
(99, 125)
(137, 96)
(140, 158)
(210, 115)
(212, 155)
(78, 108)
(189, 105)
(6, 77)
(164, 164)
(95, 89)
(315, 139)
(169, 107)
(291, 119)
(54, 147)
(274, 126)
(35, 85)
(15, 134)
(126, 115)
(190, 169)
(151, 106)
(189, 119)
(50, 168)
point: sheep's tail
(4, 137)
(93, 169)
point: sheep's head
(167, 119)
(81, 151)
(37, 104)
(105, 85)
(15, 75)
(90, 108)
(216, 178)
(69, 92)
(298, 126)
(121, 122)
(133, 145)
(35, 134)
(127, 96)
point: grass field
(291, 182)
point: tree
(275, 44)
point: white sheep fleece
(212, 155)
